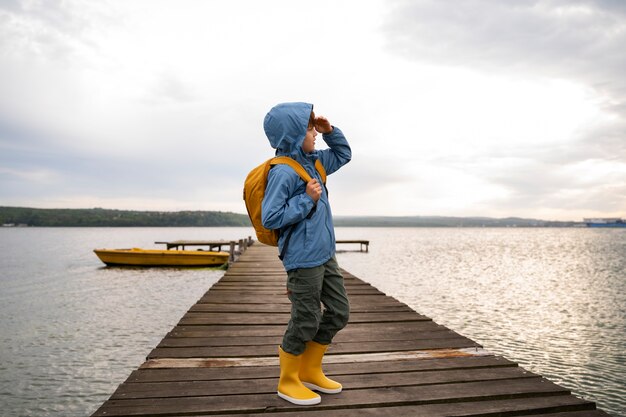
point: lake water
(71, 330)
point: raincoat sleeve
(339, 152)
(280, 207)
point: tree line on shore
(99, 217)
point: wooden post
(231, 258)
(249, 240)
(240, 246)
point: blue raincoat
(286, 203)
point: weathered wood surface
(221, 359)
(361, 243)
(212, 244)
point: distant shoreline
(98, 217)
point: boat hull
(605, 222)
(153, 257)
(606, 225)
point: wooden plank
(231, 361)
(172, 341)
(379, 397)
(250, 281)
(331, 369)
(509, 407)
(204, 339)
(191, 319)
(286, 308)
(352, 330)
(349, 382)
(233, 297)
(249, 277)
(224, 330)
(267, 350)
(588, 413)
(281, 286)
(279, 290)
(338, 345)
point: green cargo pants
(307, 288)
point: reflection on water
(552, 300)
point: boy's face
(308, 145)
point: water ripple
(550, 299)
(73, 330)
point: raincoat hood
(285, 126)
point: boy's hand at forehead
(322, 125)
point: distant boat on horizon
(605, 222)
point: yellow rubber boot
(290, 387)
(311, 373)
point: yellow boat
(161, 257)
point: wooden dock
(362, 244)
(217, 244)
(221, 359)
(211, 244)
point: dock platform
(217, 244)
(222, 360)
(362, 244)
(212, 244)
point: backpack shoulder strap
(321, 170)
(293, 164)
(299, 168)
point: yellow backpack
(254, 191)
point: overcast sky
(462, 108)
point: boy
(313, 274)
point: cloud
(53, 30)
(580, 41)
(475, 109)
(561, 38)
(172, 88)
